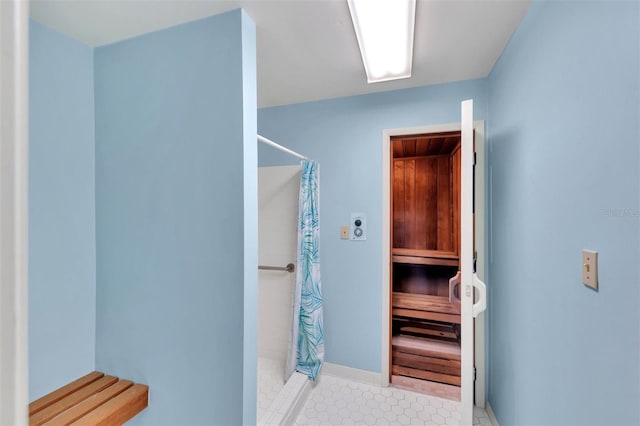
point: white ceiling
(307, 49)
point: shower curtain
(306, 349)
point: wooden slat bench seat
(427, 359)
(94, 399)
(434, 308)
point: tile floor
(270, 382)
(336, 401)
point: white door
(469, 278)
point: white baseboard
(355, 374)
(491, 414)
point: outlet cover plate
(344, 232)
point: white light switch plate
(590, 268)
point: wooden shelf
(424, 253)
(435, 308)
(426, 347)
(426, 359)
(439, 390)
(414, 260)
(424, 257)
(425, 375)
(436, 365)
(423, 302)
(439, 330)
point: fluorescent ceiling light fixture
(384, 29)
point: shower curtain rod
(282, 148)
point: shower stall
(278, 189)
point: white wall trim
(491, 414)
(14, 113)
(385, 356)
(355, 374)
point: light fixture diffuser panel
(385, 32)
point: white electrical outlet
(358, 227)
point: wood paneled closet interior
(425, 308)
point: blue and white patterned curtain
(307, 330)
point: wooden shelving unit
(425, 341)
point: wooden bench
(434, 308)
(95, 399)
(428, 359)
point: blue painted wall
(564, 132)
(171, 196)
(250, 231)
(62, 244)
(345, 136)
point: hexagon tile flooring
(336, 401)
(270, 382)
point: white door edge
(14, 112)
(466, 264)
(480, 343)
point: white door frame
(14, 112)
(386, 244)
